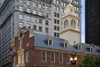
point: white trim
(78, 47)
(69, 59)
(45, 56)
(49, 44)
(27, 57)
(64, 45)
(62, 58)
(90, 49)
(54, 58)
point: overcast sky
(83, 22)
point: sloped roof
(39, 42)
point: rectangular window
(28, 18)
(27, 57)
(15, 61)
(52, 57)
(40, 28)
(40, 6)
(62, 3)
(34, 20)
(46, 30)
(54, 14)
(28, 10)
(28, 26)
(55, 21)
(28, 2)
(46, 15)
(46, 22)
(58, 28)
(20, 1)
(20, 8)
(21, 44)
(57, 34)
(50, 42)
(68, 59)
(46, 8)
(21, 24)
(57, 8)
(43, 56)
(54, 1)
(58, 15)
(20, 59)
(79, 47)
(20, 16)
(40, 21)
(54, 27)
(57, 1)
(65, 45)
(82, 58)
(34, 11)
(34, 4)
(40, 13)
(34, 26)
(61, 58)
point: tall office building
(43, 15)
(92, 23)
(1, 2)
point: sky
(83, 22)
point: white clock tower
(70, 31)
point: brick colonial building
(46, 51)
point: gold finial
(32, 31)
(13, 41)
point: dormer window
(50, 42)
(65, 45)
(91, 49)
(79, 47)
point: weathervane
(32, 31)
(13, 41)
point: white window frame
(62, 58)
(34, 12)
(28, 2)
(40, 13)
(21, 8)
(34, 4)
(21, 24)
(35, 20)
(78, 47)
(45, 56)
(20, 16)
(27, 57)
(15, 60)
(54, 57)
(21, 1)
(28, 18)
(40, 6)
(69, 59)
(28, 10)
(91, 50)
(64, 45)
(49, 44)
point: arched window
(73, 23)
(65, 23)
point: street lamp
(73, 59)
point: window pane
(40, 21)
(68, 58)
(21, 24)
(34, 26)
(52, 57)
(43, 56)
(40, 28)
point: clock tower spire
(70, 30)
